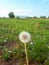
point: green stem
(26, 54)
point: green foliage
(48, 16)
(43, 17)
(10, 29)
(5, 54)
(47, 61)
(35, 17)
(39, 30)
(40, 64)
(11, 15)
(15, 53)
(18, 17)
(39, 51)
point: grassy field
(38, 28)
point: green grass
(38, 28)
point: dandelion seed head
(24, 37)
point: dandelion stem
(26, 54)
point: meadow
(38, 52)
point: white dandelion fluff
(31, 43)
(24, 37)
(9, 51)
(5, 40)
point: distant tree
(17, 17)
(28, 17)
(11, 15)
(48, 16)
(43, 17)
(34, 17)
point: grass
(38, 28)
(10, 28)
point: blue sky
(24, 7)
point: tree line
(11, 15)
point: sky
(24, 7)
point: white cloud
(3, 12)
(21, 12)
